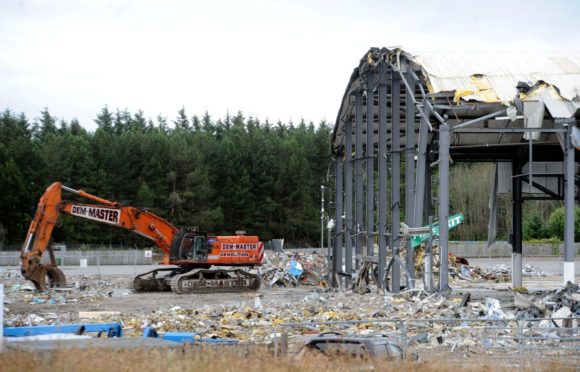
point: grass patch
(220, 359)
(551, 240)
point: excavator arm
(51, 206)
(38, 240)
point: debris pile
(81, 290)
(561, 303)
(503, 270)
(428, 319)
(459, 268)
(285, 269)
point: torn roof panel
(488, 78)
(452, 71)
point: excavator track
(142, 283)
(215, 281)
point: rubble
(459, 268)
(260, 317)
(285, 269)
(503, 273)
(98, 315)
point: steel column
(322, 217)
(569, 205)
(410, 171)
(444, 142)
(370, 208)
(382, 154)
(428, 193)
(395, 178)
(348, 203)
(516, 224)
(337, 256)
(421, 167)
(358, 177)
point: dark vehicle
(375, 347)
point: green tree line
(222, 175)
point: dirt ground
(256, 317)
(124, 300)
(110, 290)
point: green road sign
(453, 221)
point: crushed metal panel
(549, 96)
(558, 108)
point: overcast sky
(277, 60)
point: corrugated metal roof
(451, 71)
(488, 77)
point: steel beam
(421, 169)
(348, 203)
(410, 171)
(426, 104)
(371, 79)
(516, 224)
(444, 141)
(569, 209)
(395, 178)
(382, 195)
(480, 119)
(358, 177)
(509, 130)
(337, 256)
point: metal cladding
(512, 108)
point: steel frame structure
(382, 90)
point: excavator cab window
(185, 249)
(193, 247)
(199, 248)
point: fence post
(135, 261)
(521, 345)
(1, 317)
(284, 343)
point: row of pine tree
(223, 175)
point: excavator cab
(191, 246)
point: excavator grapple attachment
(47, 276)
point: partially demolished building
(420, 111)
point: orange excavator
(191, 253)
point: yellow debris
(482, 87)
